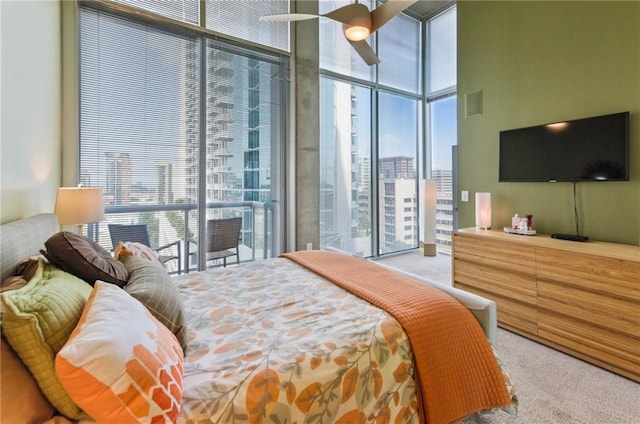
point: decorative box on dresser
(580, 298)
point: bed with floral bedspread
(273, 342)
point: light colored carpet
(556, 388)
(553, 388)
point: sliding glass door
(179, 128)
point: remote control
(571, 237)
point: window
(386, 119)
(182, 10)
(240, 19)
(400, 54)
(345, 157)
(441, 51)
(162, 125)
(442, 117)
(397, 146)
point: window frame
(71, 146)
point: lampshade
(429, 190)
(79, 205)
(483, 210)
(429, 222)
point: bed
(281, 340)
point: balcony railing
(179, 221)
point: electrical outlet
(464, 196)
(309, 246)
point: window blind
(237, 18)
(182, 10)
(400, 47)
(139, 109)
(240, 19)
(442, 51)
(139, 119)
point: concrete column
(306, 128)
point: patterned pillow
(84, 258)
(150, 283)
(132, 248)
(117, 371)
(37, 321)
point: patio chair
(223, 239)
(140, 234)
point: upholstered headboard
(23, 238)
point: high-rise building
(444, 207)
(117, 190)
(342, 202)
(238, 149)
(398, 214)
(397, 167)
(164, 186)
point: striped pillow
(150, 283)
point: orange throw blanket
(456, 371)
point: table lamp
(483, 210)
(79, 206)
(430, 198)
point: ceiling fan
(358, 22)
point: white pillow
(120, 364)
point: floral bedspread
(271, 342)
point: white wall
(30, 125)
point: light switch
(464, 196)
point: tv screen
(588, 149)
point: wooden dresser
(580, 298)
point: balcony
(179, 222)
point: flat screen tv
(588, 149)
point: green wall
(539, 62)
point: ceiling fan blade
(347, 14)
(365, 51)
(286, 17)
(386, 11)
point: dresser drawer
(619, 315)
(607, 348)
(501, 282)
(605, 275)
(497, 254)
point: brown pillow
(13, 283)
(27, 268)
(26, 271)
(21, 400)
(84, 258)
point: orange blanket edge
(457, 387)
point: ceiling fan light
(356, 32)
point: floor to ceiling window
(442, 133)
(179, 126)
(345, 166)
(411, 124)
(397, 173)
